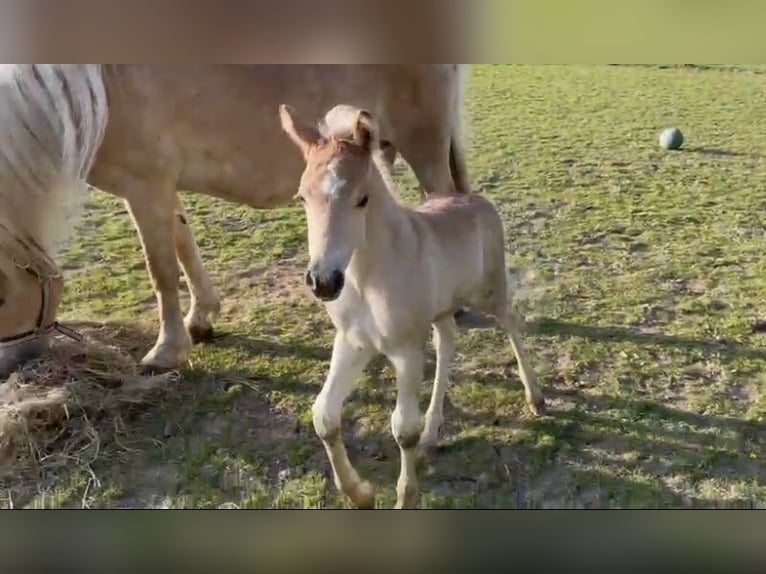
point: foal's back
(465, 247)
(460, 219)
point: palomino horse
(387, 273)
(204, 128)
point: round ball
(671, 138)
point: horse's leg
(153, 216)
(346, 367)
(444, 342)
(510, 321)
(205, 302)
(389, 152)
(426, 150)
(405, 422)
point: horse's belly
(229, 133)
(259, 181)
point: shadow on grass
(272, 348)
(696, 67)
(603, 451)
(716, 152)
(178, 433)
(727, 349)
(219, 432)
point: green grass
(651, 273)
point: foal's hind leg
(346, 366)
(153, 217)
(510, 321)
(205, 302)
(444, 341)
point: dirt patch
(281, 282)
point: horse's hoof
(149, 370)
(201, 334)
(153, 365)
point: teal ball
(671, 138)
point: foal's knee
(326, 422)
(406, 430)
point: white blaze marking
(332, 184)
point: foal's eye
(363, 202)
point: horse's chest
(362, 324)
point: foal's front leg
(405, 422)
(348, 363)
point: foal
(387, 273)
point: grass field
(648, 277)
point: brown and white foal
(386, 274)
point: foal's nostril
(338, 280)
(311, 281)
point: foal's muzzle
(326, 288)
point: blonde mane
(340, 123)
(52, 120)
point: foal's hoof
(200, 334)
(429, 440)
(538, 408)
(364, 497)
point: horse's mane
(340, 123)
(52, 119)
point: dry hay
(55, 409)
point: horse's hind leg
(426, 149)
(205, 302)
(153, 216)
(389, 152)
(444, 341)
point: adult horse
(144, 132)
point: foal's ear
(365, 131)
(303, 134)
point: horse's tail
(457, 151)
(52, 121)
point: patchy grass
(649, 277)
